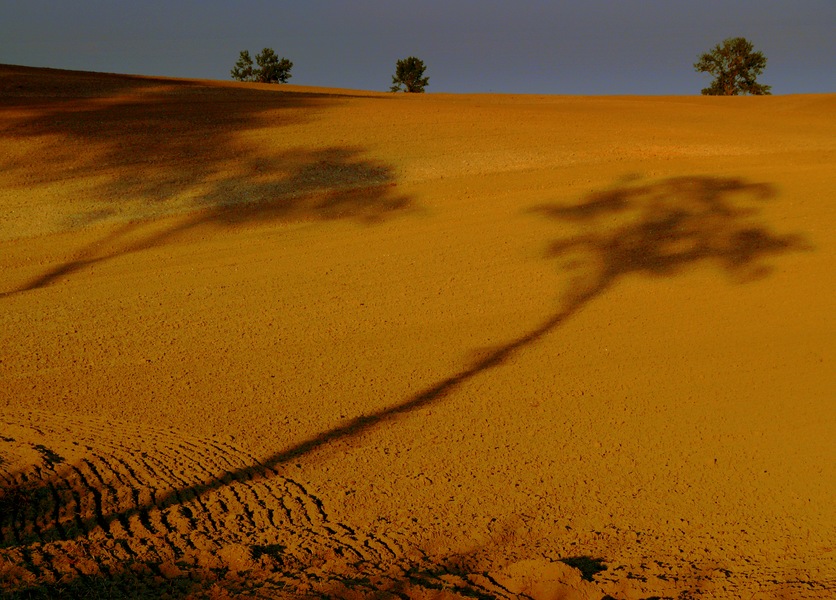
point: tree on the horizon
(243, 69)
(409, 73)
(735, 66)
(271, 68)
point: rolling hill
(276, 341)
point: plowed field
(283, 342)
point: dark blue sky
(514, 46)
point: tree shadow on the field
(325, 185)
(179, 150)
(126, 138)
(655, 229)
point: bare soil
(284, 342)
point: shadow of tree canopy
(328, 185)
(140, 148)
(654, 229)
(658, 229)
(151, 137)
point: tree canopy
(735, 66)
(409, 73)
(271, 68)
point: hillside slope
(290, 342)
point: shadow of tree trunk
(326, 185)
(654, 229)
(135, 149)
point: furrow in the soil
(130, 497)
(142, 535)
(120, 530)
(384, 550)
(311, 505)
(6, 478)
(255, 507)
(283, 512)
(339, 539)
(271, 518)
(148, 467)
(122, 483)
(108, 496)
(232, 525)
(242, 458)
(183, 460)
(170, 485)
(140, 480)
(173, 536)
(221, 458)
(126, 553)
(143, 516)
(45, 562)
(77, 509)
(238, 516)
(453, 583)
(27, 561)
(173, 498)
(13, 504)
(126, 473)
(233, 498)
(162, 549)
(91, 491)
(165, 532)
(57, 503)
(394, 545)
(43, 494)
(67, 509)
(372, 553)
(201, 507)
(36, 502)
(321, 541)
(271, 490)
(165, 470)
(52, 562)
(191, 489)
(6, 532)
(180, 491)
(298, 511)
(504, 591)
(180, 525)
(267, 497)
(195, 535)
(494, 591)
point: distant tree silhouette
(409, 73)
(735, 67)
(243, 69)
(271, 68)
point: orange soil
(293, 342)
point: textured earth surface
(283, 342)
